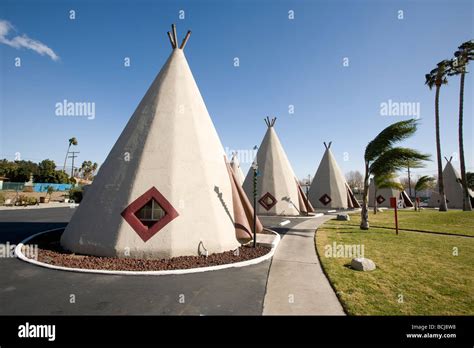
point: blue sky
(282, 62)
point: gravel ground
(51, 252)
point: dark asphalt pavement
(26, 289)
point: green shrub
(25, 200)
(76, 194)
(2, 198)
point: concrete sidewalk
(296, 283)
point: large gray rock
(343, 217)
(362, 264)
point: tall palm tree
(382, 157)
(423, 183)
(72, 141)
(459, 67)
(385, 181)
(437, 78)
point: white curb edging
(21, 256)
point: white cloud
(23, 41)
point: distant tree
(381, 157)
(355, 180)
(470, 180)
(72, 141)
(18, 171)
(408, 183)
(88, 169)
(47, 173)
(423, 183)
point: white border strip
(20, 255)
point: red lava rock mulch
(51, 252)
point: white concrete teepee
(165, 189)
(278, 190)
(383, 196)
(452, 188)
(329, 189)
(235, 165)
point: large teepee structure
(235, 164)
(329, 188)
(148, 200)
(278, 190)
(383, 196)
(452, 188)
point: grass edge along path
(417, 273)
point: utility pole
(73, 156)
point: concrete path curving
(297, 284)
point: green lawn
(417, 273)
(452, 221)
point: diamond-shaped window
(149, 213)
(325, 199)
(380, 199)
(267, 201)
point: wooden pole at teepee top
(173, 45)
(185, 40)
(175, 36)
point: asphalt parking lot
(27, 289)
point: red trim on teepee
(305, 205)
(352, 202)
(243, 210)
(380, 199)
(325, 199)
(143, 231)
(263, 201)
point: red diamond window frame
(143, 231)
(325, 199)
(263, 202)
(380, 199)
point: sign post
(394, 205)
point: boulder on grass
(362, 264)
(343, 217)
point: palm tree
(381, 157)
(459, 67)
(72, 141)
(437, 78)
(385, 181)
(423, 183)
(411, 165)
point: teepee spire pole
(175, 36)
(325, 145)
(173, 45)
(185, 40)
